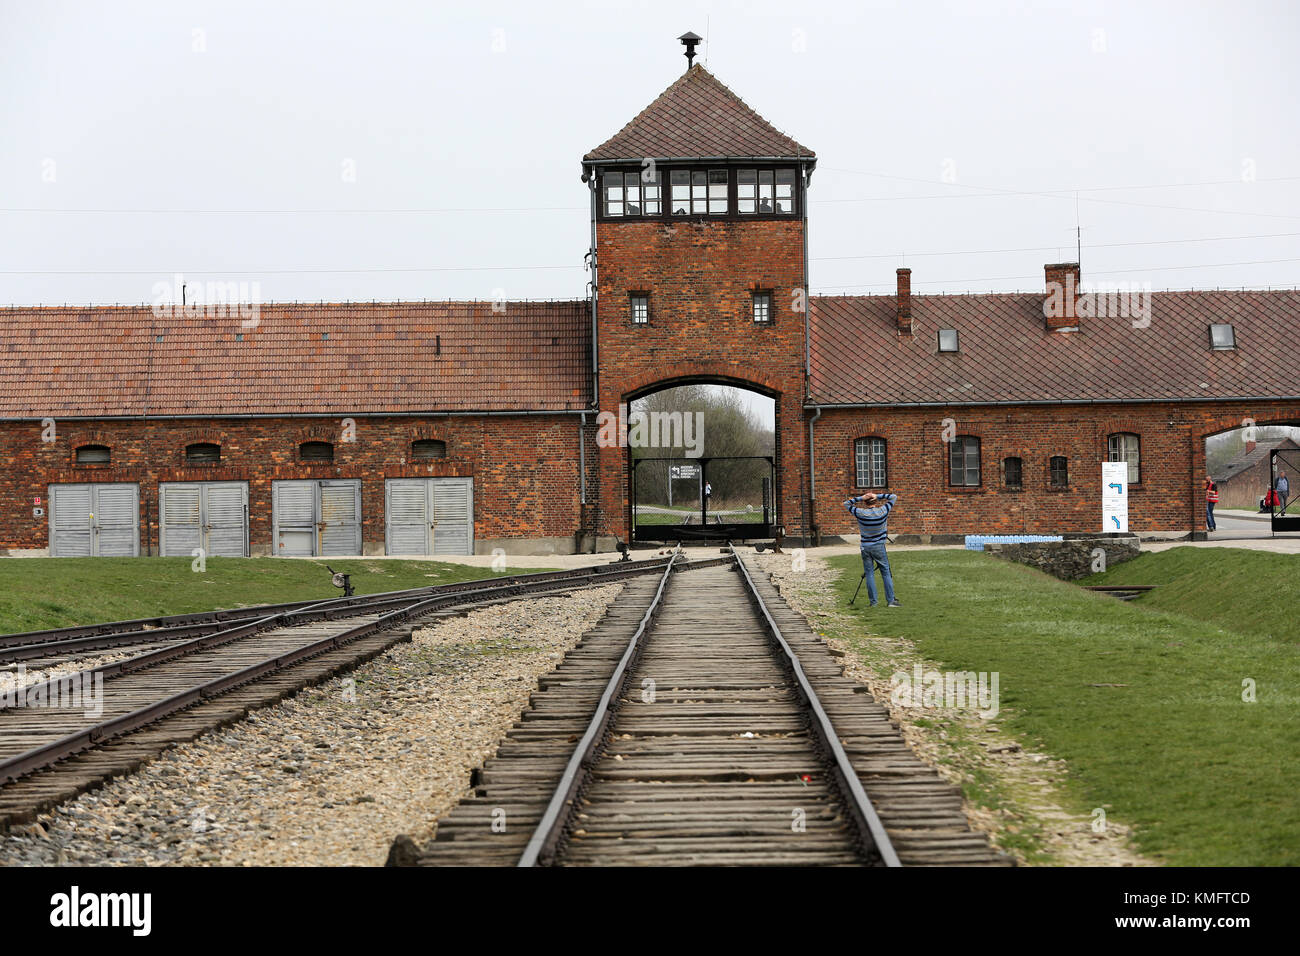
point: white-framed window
(762, 308)
(632, 193)
(1125, 446)
(640, 303)
(699, 192)
(869, 463)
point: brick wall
(525, 468)
(1169, 496)
(700, 276)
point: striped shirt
(873, 521)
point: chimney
(904, 314)
(1060, 308)
(1250, 446)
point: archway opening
(1255, 469)
(702, 463)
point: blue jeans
(874, 556)
(1209, 515)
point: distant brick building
(419, 428)
(1243, 480)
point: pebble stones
(331, 775)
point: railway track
(702, 722)
(67, 642)
(128, 711)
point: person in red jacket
(1211, 499)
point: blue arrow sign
(1119, 489)
(1115, 518)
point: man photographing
(874, 521)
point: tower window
(632, 193)
(93, 455)
(202, 453)
(964, 461)
(698, 192)
(762, 307)
(1059, 471)
(765, 192)
(316, 451)
(640, 308)
(424, 449)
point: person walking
(873, 522)
(1283, 489)
(1211, 499)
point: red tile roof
(378, 358)
(697, 117)
(1007, 355)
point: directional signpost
(1114, 496)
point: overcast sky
(407, 151)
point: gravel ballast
(329, 776)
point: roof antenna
(1078, 235)
(689, 40)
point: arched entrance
(702, 460)
(1255, 467)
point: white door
(317, 517)
(95, 520)
(201, 514)
(430, 515)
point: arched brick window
(93, 455)
(1126, 446)
(202, 453)
(1013, 473)
(869, 463)
(424, 449)
(1058, 470)
(316, 451)
(964, 461)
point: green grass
(37, 593)
(1172, 748)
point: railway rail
(110, 636)
(703, 722)
(172, 693)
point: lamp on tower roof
(689, 40)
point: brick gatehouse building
(416, 428)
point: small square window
(762, 307)
(640, 308)
(1222, 336)
(947, 340)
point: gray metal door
(406, 510)
(70, 535)
(180, 519)
(429, 515)
(95, 520)
(453, 515)
(293, 507)
(200, 514)
(317, 517)
(339, 520)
